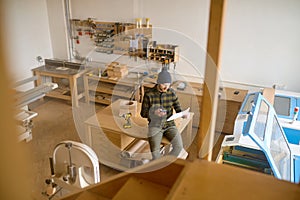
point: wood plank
(207, 180)
(137, 188)
(197, 180)
(269, 94)
(211, 79)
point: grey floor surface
(54, 124)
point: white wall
(170, 26)
(190, 17)
(27, 35)
(262, 43)
(184, 23)
(58, 30)
(104, 10)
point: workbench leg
(74, 92)
(88, 135)
(38, 82)
(189, 129)
(86, 89)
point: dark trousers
(155, 137)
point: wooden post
(269, 94)
(211, 81)
(14, 156)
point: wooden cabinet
(191, 97)
(105, 90)
(229, 104)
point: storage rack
(164, 53)
(104, 39)
(105, 90)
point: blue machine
(266, 137)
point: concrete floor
(54, 124)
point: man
(157, 106)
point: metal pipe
(69, 30)
(71, 167)
(51, 166)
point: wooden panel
(203, 179)
(120, 140)
(228, 108)
(233, 94)
(143, 189)
(185, 100)
(191, 97)
(196, 109)
(89, 196)
(192, 180)
(125, 141)
(269, 94)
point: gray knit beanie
(164, 76)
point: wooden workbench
(72, 75)
(107, 137)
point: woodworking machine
(266, 137)
(22, 99)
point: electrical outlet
(279, 86)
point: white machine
(75, 164)
(22, 99)
(266, 138)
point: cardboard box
(110, 73)
(121, 73)
(120, 67)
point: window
(248, 105)
(282, 105)
(261, 121)
(280, 151)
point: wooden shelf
(104, 34)
(108, 88)
(102, 101)
(114, 37)
(60, 94)
(164, 53)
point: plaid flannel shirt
(154, 99)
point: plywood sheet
(137, 188)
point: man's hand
(160, 112)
